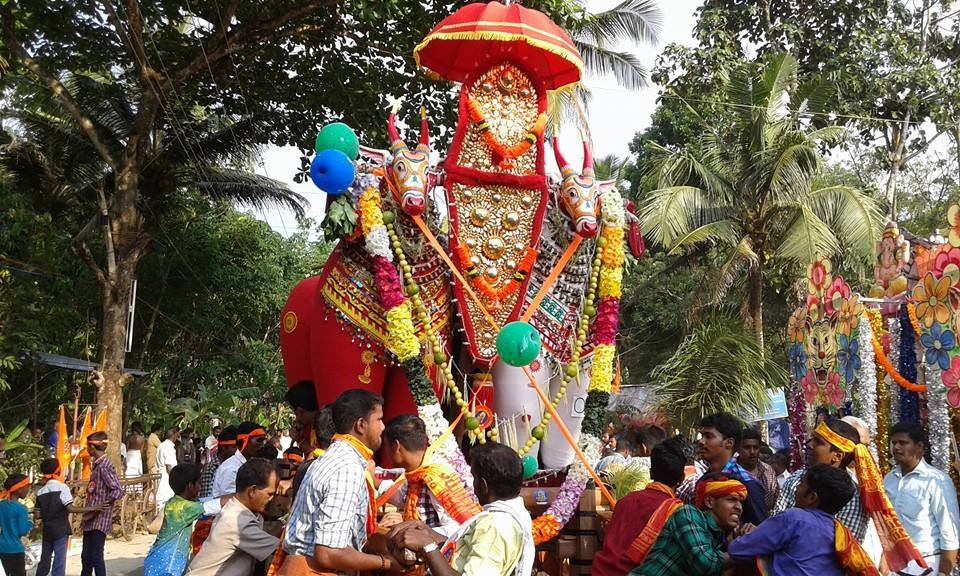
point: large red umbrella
(482, 33)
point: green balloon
(530, 466)
(340, 137)
(518, 344)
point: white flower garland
(378, 242)
(612, 204)
(449, 452)
(590, 445)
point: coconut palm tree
(182, 152)
(747, 186)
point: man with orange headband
(223, 448)
(14, 524)
(250, 439)
(837, 444)
(691, 542)
(103, 490)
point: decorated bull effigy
(892, 356)
(501, 294)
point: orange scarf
(446, 486)
(641, 546)
(898, 549)
(853, 558)
(367, 455)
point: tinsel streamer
(938, 420)
(893, 391)
(798, 427)
(865, 400)
(907, 366)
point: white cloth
(225, 480)
(134, 464)
(515, 509)
(166, 456)
(210, 442)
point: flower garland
(609, 259)
(883, 361)
(909, 400)
(610, 280)
(401, 337)
(506, 154)
(938, 420)
(866, 398)
(798, 426)
(912, 312)
(496, 295)
(402, 342)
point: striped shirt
(103, 488)
(207, 475)
(852, 515)
(331, 508)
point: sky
(615, 114)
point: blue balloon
(332, 171)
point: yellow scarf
(898, 549)
(367, 455)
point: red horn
(556, 152)
(587, 157)
(424, 129)
(392, 129)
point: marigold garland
(881, 357)
(401, 337)
(506, 155)
(601, 374)
(610, 282)
(914, 321)
(477, 279)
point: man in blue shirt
(14, 524)
(802, 541)
(924, 499)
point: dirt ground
(123, 558)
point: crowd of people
(241, 503)
(723, 511)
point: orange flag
(101, 424)
(63, 444)
(84, 456)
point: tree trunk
(755, 300)
(125, 245)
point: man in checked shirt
(103, 490)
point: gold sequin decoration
(509, 115)
(497, 265)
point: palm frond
(639, 21)
(693, 166)
(779, 71)
(816, 96)
(623, 66)
(717, 232)
(852, 215)
(250, 189)
(739, 257)
(671, 213)
(806, 236)
(720, 367)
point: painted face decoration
(578, 192)
(408, 169)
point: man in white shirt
(166, 460)
(237, 540)
(250, 439)
(924, 499)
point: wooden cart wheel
(128, 516)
